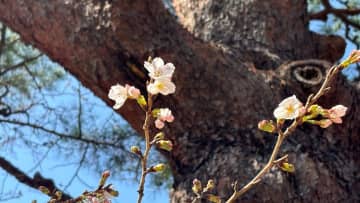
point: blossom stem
(333, 71)
(144, 158)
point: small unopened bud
(267, 126)
(354, 57)
(196, 188)
(155, 113)
(135, 150)
(324, 123)
(58, 195)
(141, 101)
(165, 145)
(210, 185)
(159, 136)
(158, 167)
(111, 193)
(44, 190)
(213, 198)
(315, 109)
(104, 177)
(287, 167)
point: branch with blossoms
(160, 83)
(292, 109)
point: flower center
(290, 109)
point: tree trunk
(235, 61)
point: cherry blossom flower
(289, 108)
(120, 93)
(158, 69)
(162, 85)
(335, 113)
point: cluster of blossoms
(160, 74)
(160, 82)
(291, 108)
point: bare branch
(35, 182)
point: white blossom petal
(289, 108)
(119, 94)
(157, 62)
(163, 85)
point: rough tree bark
(235, 61)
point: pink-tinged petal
(338, 111)
(170, 118)
(337, 120)
(159, 124)
(132, 92)
(325, 123)
(165, 114)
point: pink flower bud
(159, 124)
(132, 92)
(325, 123)
(267, 126)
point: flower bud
(267, 126)
(196, 188)
(287, 167)
(159, 136)
(44, 190)
(324, 123)
(111, 193)
(132, 92)
(104, 177)
(213, 198)
(58, 195)
(135, 150)
(155, 112)
(158, 168)
(354, 57)
(159, 124)
(141, 101)
(165, 145)
(210, 185)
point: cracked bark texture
(235, 61)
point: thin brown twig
(144, 158)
